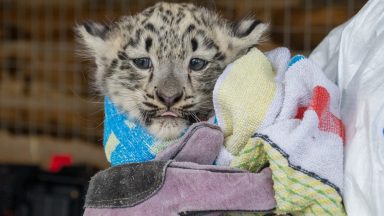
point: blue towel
(125, 140)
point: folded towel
(243, 80)
(291, 122)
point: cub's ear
(248, 33)
(249, 27)
(93, 36)
(96, 29)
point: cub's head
(160, 66)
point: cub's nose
(169, 99)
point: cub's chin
(167, 128)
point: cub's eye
(197, 64)
(143, 63)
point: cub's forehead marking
(150, 27)
(194, 44)
(148, 43)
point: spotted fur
(170, 35)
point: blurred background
(51, 118)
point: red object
(320, 104)
(300, 112)
(60, 161)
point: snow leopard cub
(160, 66)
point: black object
(29, 191)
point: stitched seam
(284, 154)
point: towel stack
(284, 113)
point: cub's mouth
(169, 114)
(188, 116)
(169, 124)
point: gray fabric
(201, 144)
(125, 185)
(188, 190)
